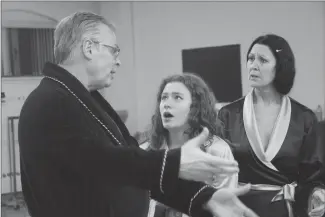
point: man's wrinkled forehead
(106, 35)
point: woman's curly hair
(202, 111)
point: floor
(13, 206)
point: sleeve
(311, 157)
(152, 208)
(321, 145)
(232, 181)
(311, 164)
(145, 145)
(189, 197)
(223, 117)
(220, 148)
(71, 142)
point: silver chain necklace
(84, 105)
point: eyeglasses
(116, 50)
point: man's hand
(225, 203)
(196, 165)
(317, 205)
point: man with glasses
(77, 156)
(115, 49)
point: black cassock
(293, 155)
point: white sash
(279, 131)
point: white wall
(152, 35)
(163, 29)
(54, 9)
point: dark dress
(300, 159)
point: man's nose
(118, 62)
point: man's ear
(87, 48)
